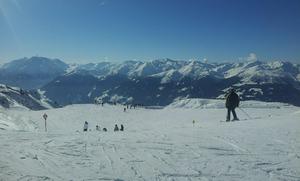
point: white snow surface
(161, 144)
(219, 104)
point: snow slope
(215, 103)
(161, 144)
(17, 98)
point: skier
(232, 101)
(97, 128)
(85, 126)
(122, 127)
(116, 128)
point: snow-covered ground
(158, 144)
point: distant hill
(31, 73)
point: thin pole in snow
(45, 116)
(245, 113)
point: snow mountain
(157, 82)
(31, 73)
(160, 82)
(249, 72)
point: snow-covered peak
(72, 68)
(284, 67)
(173, 70)
(196, 69)
(262, 72)
(35, 65)
(126, 68)
(171, 75)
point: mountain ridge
(161, 81)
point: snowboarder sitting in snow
(232, 101)
(122, 127)
(104, 129)
(85, 126)
(116, 128)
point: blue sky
(116, 30)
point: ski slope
(157, 144)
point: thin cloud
(102, 3)
(250, 57)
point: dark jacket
(232, 100)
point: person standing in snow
(232, 101)
(116, 128)
(122, 127)
(85, 126)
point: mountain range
(157, 82)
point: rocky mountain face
(13, 97)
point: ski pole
(245, 113)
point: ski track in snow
(156, 145)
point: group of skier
(116, 128)
(127, 106)
(131, 106)
(232, 102)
